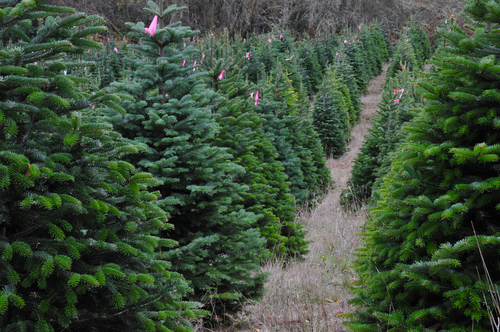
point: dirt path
(312, 295)
(341, 168)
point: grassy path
(312, 295)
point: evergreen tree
(290, 123)
(220, 242)
(332, 47)
(241, 131)
(439, 201)
(387, 40)
(276, 126)
(348, 77)
(355, 55)
(309, 65)
(79, 229)
(403, 58)
(331, 116)
(322, 54)
(377, 33)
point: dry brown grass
(312, 295)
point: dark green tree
(404, 58)
(79, 229)
(241, 130)
(348, 77)
(171, 114)
(290, 123)
(354, 53)
(309, 65)
(331, 116)
(439, 202)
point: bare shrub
(248, 16)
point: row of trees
(337, 106)
(430, 260)
(130, 206)
(385, 134)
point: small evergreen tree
(331, 117)
(309, 65)
(290, 121)
(404, 58)
(79, 240)
(355, 55)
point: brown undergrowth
(312, 295)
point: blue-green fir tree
(290, 123)
(404, 58)
(383, 138)
(241, 130)
(79, 228)
(171, 114)
(354, 53)
(310, 68)
(331, 116)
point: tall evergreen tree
(310, 67)
(78, 228)
(421, 266)
(404, 58)
(220, 242)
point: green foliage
(241, 131)
(383, 139)
(404, 58)
(310, 68)
(289, 123)
(412, 51)
(354, 53)
(172, 113)
(421, 263)
(331, 115)
(69, 260)
(420, 42)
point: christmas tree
(383, 138)
(434, 231)
(171, 114)
(331, 115)
(241, 131)
(289, 121)
(78, 227)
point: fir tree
(241, 131)
(422, 267)
(79, 228)
(403, 58)
(309, 65)
(290, 123)
(220, 242)
(331, 116)
(348, 77)
(354, 53)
